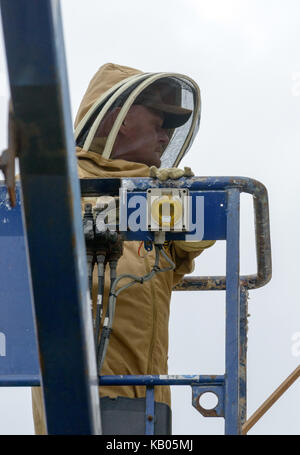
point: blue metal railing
(231, 391)
(93, 187)
(230, 388)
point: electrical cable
(102, 346)
(108, 321)
(90, 265)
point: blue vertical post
(51, 214)
(232, 418)
(243, 354)
(150, 410)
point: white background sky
(245, 57)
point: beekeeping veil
(114, 86)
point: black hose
(90, 266)
(106, 330)
(99, 304)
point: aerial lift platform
(46, 333)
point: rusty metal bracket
(198, 391)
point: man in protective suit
(135, 124)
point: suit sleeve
(183, 254)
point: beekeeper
(136, 124)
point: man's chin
(154, 162)
(141, 158)
(156, 159)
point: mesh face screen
(166, 91)
(179, 135)
(119, 102)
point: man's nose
(163, 137)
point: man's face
(141, 137)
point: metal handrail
(262, 236)
(93, 187)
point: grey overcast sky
(245, 57)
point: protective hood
(175, 95)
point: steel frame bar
(232, 362)
(154, 380)
(51, 214)
(20, 381)
(150, 410)
(243, 354)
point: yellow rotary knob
(166, 211)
